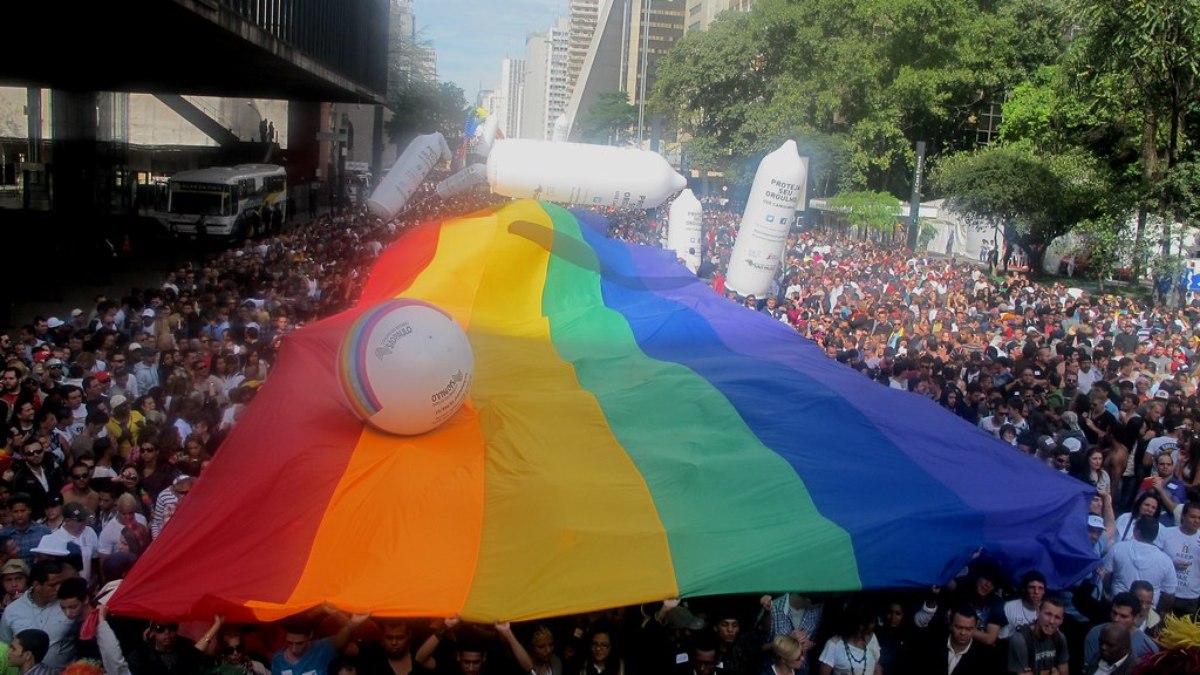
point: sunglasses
(79, 476)
(164, 628)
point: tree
(1153, 48)
(868, 210)
(876, 75)
(608, 119)
(1036, 197)
(422, 107)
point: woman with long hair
(602, 656)
(1147, 504)
(1187, 466)
(131, 480)
(153, 470)
(1096, 475)
(854, 650)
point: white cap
(51, 545)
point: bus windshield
(200, 199)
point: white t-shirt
(846, 659)
(1158, 444)
(110, 534)
(1125, 529)
(88, 544)
(1131, 561)
(1183, 548)
(1017, 616)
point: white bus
(225, 201)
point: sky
(473, 36)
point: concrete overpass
(299, 50)
(307, 52)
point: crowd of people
(114, 411)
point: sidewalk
(140, 269)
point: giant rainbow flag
(631, 436)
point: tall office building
(701, 13)
(545, 95)
(426, 66)
(558, 92)
(581, 28)
(401, 36)
(654, 26)
(486, 99)
(533, 102)
(630, 37)
(509, 96)
(409, 57)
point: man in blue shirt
(26, 532)
(305, 656)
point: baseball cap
(103, 376)
(54, 322)
(76, 511)
(1096, 522)
(1162, 395)
(149, 313)
(117, 401)
(1072, 444)
(133, 347)
(50, 363)
(15, 566)
(1046, 443)
(76, 313)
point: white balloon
(463, 181)
(487, 133)
(406, 367)
(779, 186)
(685, 223)
(407, 174)
(578, 173)
(562, 129)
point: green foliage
(867, 209)
(1182, 183)
(609, 119)
(422, 107)
(925, 235)
(1099, 244)
(1149, 52)
(1036, 196)
(868, 77)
